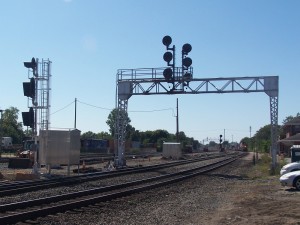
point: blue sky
(89, 40)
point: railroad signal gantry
(180, 80)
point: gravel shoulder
(256, 201)
(261, 201)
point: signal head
(29, 88)
(28, 118)
(31, 65)
(186, 48)
(187, 61)
(167, 40)
(168, 56)
(168, 73)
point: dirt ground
(260, 201)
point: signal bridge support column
(124, 90)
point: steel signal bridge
(179, 80)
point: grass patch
(263, 168)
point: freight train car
(95, 145)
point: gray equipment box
(58, 147)
(172, 150)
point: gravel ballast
(194, 201)
(238, 194)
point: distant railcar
(95, 145)
(243, 147)
(188, 149)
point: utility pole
(1, 128)
(250, 138)
(250, 147)
(75, 113)
(177, 123)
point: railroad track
(26, 186)
(30, 210)
(91, 158)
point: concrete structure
(59, 147)
(172, 150)
(6, 142)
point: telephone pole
(177, 123)
(75, 113)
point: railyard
(234, 194)
(126, 119)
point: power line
(154, 110)
(109, 109)
(63, 108)
(134, 111)
(94, 106)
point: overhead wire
(63, 108)
(154, 110)
(109, 109)
(94, 106)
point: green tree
(160, 143)
(28, 132)
(10, 125)
(212, 144)
(136, 136)
(111, 121)
(289, 118)
(129, 131)
(263, 133)
(103, 135)
(181, 136)
(225, 144)
(245, 141)
(262, 138)
(100, 135)
(282, 131)
(89, 134)
(196, 144)
(184, 140)
(159, 134)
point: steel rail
(21, 187)
(169, 179)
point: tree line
(145, 138)
(10, 127)
(261, 141)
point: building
(292, 136)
